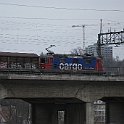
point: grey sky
(33, 25)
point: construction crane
(109, 38)
(83, 28)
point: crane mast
(83, 29)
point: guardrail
(115, 71)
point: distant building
(92, 49)
(106, 51)
(99, 112)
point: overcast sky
(33, 25)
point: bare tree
(77, 51)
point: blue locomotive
(70, 63)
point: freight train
(49, 63)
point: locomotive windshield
(42, 60)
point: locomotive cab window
(42, 60)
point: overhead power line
(41, 18)
(63, 8)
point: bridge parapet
(63, 77)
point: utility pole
(83, 27)
(100, 25)
(98, 42)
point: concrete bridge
(73, 94)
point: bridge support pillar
(115, 113)
(89, 113)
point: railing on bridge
(114, 71)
